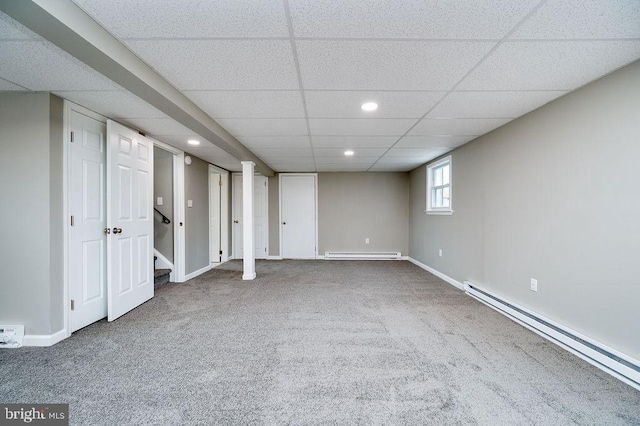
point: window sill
(440, 212)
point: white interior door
(298, 214)
(130, 215)
(87, 239)
(215, 181)
(260, 216)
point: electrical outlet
(366, 241)
(440, 252)
(159, 201)
(534, 284)
(189, 203)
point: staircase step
(161, 277)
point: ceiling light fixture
(193, 142)
(369, 106)
(348, 153)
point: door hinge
(72, 221)
(220, 253)
(73, 305)
(265, 249)
(71, 136)
(220, 182)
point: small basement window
(439, 187)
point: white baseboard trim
(274, 257)
(438, 274)
(320, 257)
(198, 272)
(404, 258)
(44, 339)
(607, 359)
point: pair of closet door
(111, 223)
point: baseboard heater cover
(607, 359)
(336, 255)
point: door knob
(107, 231)
(235, 221)
(284, 223)
(117, 230)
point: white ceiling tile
(491, 104)
(422, 154)
(386, 65)
(359, 127)
(283, 152)
(265, 126)
(113, 104)
(406, 18)
(341, 159)
(456, 126)
(346, 104)
(40, 66)
(408, 160)
(573, 19)
(343, 167)
(249, 104)
(255, 142)
(293, 168)
(354, 141)
(339, 152)
(561, 65)
(289, 160)
(221, 64)
(189, 18)
(158, 127)
(12, 30)
(392, 167)
(7, 86)
(432, 141)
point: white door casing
(87, 239)
(260, 216)
(130, 217)
(215, 183)
(298, 215)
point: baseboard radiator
(607, 359)
(336, 255)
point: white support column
(248, 251)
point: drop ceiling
(287, 78)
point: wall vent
(607, 359)
(11, 336)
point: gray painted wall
(355, 206)
(31, 247)
(196, 179)
(554, 195)
(163, 187)
(274, 215)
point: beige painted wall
(553, 195)
(31, 247)
(355, 206)
(196, 180)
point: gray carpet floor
(315, 342)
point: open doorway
(163, 215)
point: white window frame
(430, 168)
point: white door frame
(265, 233)
(179, 245)
(280, 175)
(224, 210)
(66, 199)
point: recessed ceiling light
(369, 106)
(348, 153)
(193, 142)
